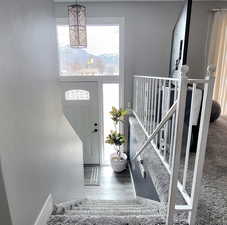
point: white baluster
(152, 106)
(141, 100)
(173, 126)
(155, 105)
(149, 106)
(189, 137)
(177, 144)
(159, 109)
(202, 141)
(146, 104)
(134, 95)
(166, 127)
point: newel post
(180, 111)
(202, 142)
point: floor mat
(91, 175)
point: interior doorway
(100, 64)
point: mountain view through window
(101, 57)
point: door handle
(95, 124)
(95, 130)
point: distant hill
(109, 58)
(80, 56)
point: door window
(75, 95)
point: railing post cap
(184, 69)
(211, 69)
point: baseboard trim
(45, 212)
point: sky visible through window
(101, 57)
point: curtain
(218, 56)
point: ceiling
(136, 0)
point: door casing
(107, 78)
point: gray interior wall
(4, 206)
(148, 28)
(147, 39)
(201, 23)
(39, 151)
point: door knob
(95, 124)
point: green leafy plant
(115, 138)
(118, 115)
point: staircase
(137, 211)
(162, 121)
(104, 212)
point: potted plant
(119, 158)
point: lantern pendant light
(77, 26)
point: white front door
(81, 107)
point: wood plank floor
(113, 186)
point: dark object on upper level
(180, 38)
(215, 111)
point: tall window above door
(101, 57)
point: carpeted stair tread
(114, 212)
(111, 200)
(105, 204)
(105, 220)
(138, 201)
(108, 220)
(110, 207)
(87, 212)
(109, 203)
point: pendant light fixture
(77, 26)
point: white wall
(39, 151)
(4, 207)
(200, 28)
(144, 22)
(148, 28)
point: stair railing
(159, 107)
(166, 118)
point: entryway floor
(113, 186)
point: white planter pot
(118, 165)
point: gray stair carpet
(154, 166)
(212, 208)
(110, 212)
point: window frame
(101, 21)
(103, 78)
